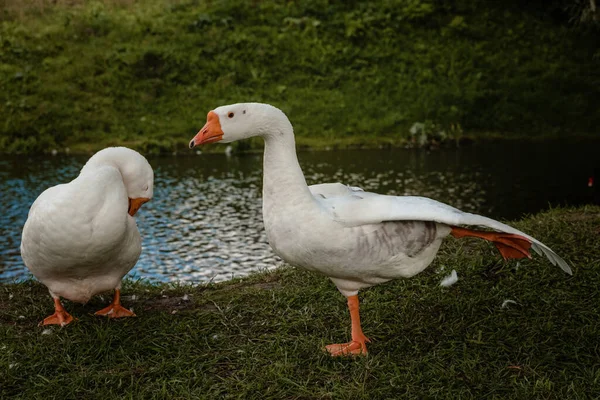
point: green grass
(145, 73)
(261, 337)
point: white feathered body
(302, 229)
(354, 257)
(356, 238)
(79, 239)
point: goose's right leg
(60, 317)
(358, 345)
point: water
(205, 220)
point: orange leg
(358, 345)
(60, 317)
(509, 245)
(115, 309)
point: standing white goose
(358, 239)
(80, 238)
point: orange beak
(210, 133)
(135, 204)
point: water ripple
(205, 221)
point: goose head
(239, 121)
(136, 172)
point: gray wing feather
(352, 206)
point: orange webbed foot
(115, 311)
(358, 345)
(352, 348)
(509, 245)
(61, 318)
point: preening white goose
(358, 239)
(80, 238)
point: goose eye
(230, 115)
(145, 188)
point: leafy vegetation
(262, 336)
(144, 73)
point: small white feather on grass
(450, 279)
(505, 303)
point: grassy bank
(261, 337)
(145, 73)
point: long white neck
(283, 181)
(111, 156)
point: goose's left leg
(509, 245)
(115, 309)
(358, 345)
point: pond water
(205, 220)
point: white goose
(358, 239)
(80, 238)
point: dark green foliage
(93, 75)
(262, 337)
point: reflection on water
(205, 220)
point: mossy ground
(262, 336)
(84, 75)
